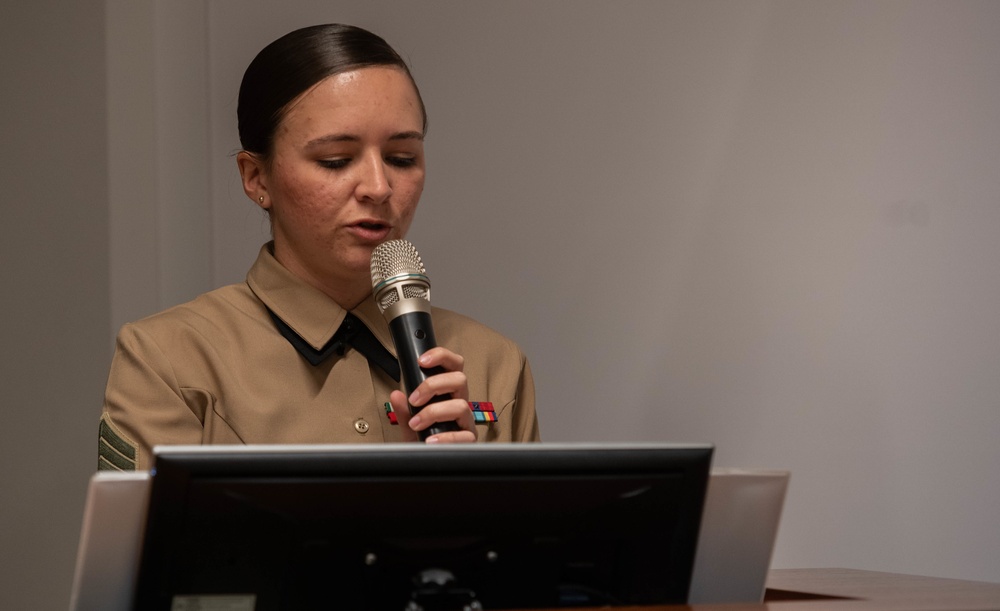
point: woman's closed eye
(401, 161)
(334, 164)
(339, 163)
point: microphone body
(402, 291)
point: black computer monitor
(502, 526)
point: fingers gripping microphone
(403, 294)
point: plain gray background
(770, 225)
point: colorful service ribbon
(482, 411)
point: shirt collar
(309, 312)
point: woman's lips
(371, 231)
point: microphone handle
(413, 335)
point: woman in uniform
(332, 128)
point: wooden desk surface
(850, 589)
(856, 590)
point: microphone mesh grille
(395, 258)
(398, 259)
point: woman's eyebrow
(331, 138)
(407, 136)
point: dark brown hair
(292, 64)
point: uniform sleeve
(525, 424)
(143, 405)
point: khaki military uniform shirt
(216, 370)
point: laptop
(738, 530)
(107, 561)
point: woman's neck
(345, 288)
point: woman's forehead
(379, 94)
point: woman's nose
(374, 182)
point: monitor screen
(498, 526)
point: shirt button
(361, 426)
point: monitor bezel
(176, 467)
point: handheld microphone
(403, 294)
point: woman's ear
(254, 177)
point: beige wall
(55, 288)
(769, 225)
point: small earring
(261, 199)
